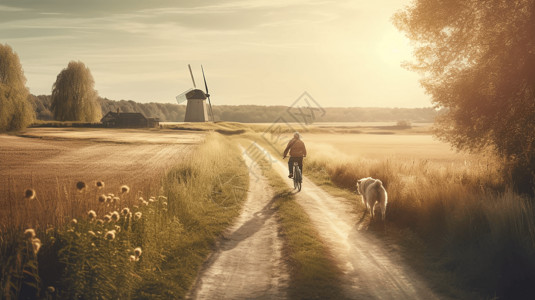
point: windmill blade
(207, 94)
(192, 79)
(205, 85)
(182, 97)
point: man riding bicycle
(297, 152)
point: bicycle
(298, 177)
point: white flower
(29, 233)
(125, 211)
(99, 184)
(36, 244)
(137, 215)
(125, 189)
(91, 214)
(110, 235)
(29, 194)
(102, 198)
(137, 252)
(115, 216)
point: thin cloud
(5, 8)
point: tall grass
(140, 245)
(468, 220)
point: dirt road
(248, 262)
(370, 271)
(52, 160)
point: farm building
(128, 120)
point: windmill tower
(196, 109)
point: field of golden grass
(65, 240)
(454, 209)
(51, 161)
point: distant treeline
(168, 112)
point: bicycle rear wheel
(298, 178)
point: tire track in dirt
(247, 263)
(370, 271)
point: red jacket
(296, 147)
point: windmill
(196, 109)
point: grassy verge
(313, 272)
(459, 220)
(150, 247)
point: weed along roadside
(150, 249)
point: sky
(261, 52)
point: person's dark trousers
(299, 161)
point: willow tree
(15, 111)
(477, 59)
(74, 97)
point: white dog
(373, 193)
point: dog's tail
(379, 190)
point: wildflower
(80, 185)
(102, 198)
(93, 245)
(91, 214)
(125, 189)
(91, 233)
(162, 197)
(29, 233)
(115, 199)
(137, 215)
(110, 235)
(141, 199)
(133, 258)
(164, 204)
(117, 228)
(100, 222)
(99, 184)
(115, 216)
(135, 206)
(152, 199)
(29, 194)
(145, 203)
(108, 199)
(125, 211)
(111, 195)
(107, 218)
(50, 289)
(36, 244)
(74, 221)
(137, 252)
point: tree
(16, 112)
(73, 95)
(478, 63)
